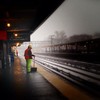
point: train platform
(16, 84)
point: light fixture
(17, 44)
(16, 34)
(8, 25)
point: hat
(30, 46)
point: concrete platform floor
(16, 84)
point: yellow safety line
(65, 88)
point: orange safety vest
(26, 54)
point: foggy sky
(72, 17)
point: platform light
(17, 44)
(16, 34)
(8, 24)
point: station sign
(3, 35)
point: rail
(84, 74)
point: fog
(72, 17)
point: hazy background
(72, 17)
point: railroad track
(86, 75)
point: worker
(28, 56)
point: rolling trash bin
(33, 68)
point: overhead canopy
(25, 16)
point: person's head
(29, 47)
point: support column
(5, 55)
